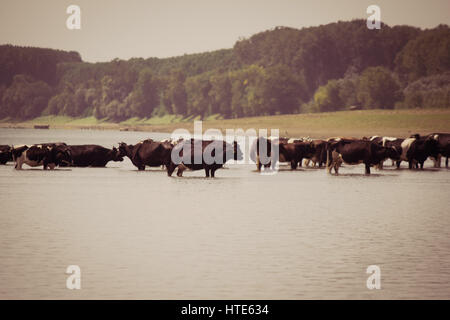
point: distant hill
(279, 71)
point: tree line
(279, 71)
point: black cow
(443, 146)
(147, 153)
(353, 151)
(209, 155)
(261, 151)
(391, 142)
(295, 152)
(417, 149)
(5, 154)
(91, 155)
(48, 155)
(319, 154)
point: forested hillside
(279, 71)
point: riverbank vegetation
(280, 71)
(400, 123)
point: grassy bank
(320, 125)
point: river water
(242, 235)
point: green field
(347, 123)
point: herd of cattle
(265, 152)
(371, 151)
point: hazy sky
(162, 28)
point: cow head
(393, 153)
(6, 151)
(116, 154)
(61, 155)
(17, 151)
(431, 147)
(310, 147)
(231, 151)
(124, 149)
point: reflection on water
(292, 235)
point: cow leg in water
(259, 165)
(336, 169)
(18, 165)
(446, 162)
(293, 164)
(398, 164)
(170, 169)
(410, 164)
(367, 168)
(306, 162)
(180, 170)
(213, 172)
(329, 167)
(421, 165)
(207, 172)
(437, 161)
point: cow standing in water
(209, 155)
(5, 154)
(48, 155)
(147, 153)
(390, 142)
(294, 152)
(319, 154)
(416, 150)
(355, 152)
(261, 152)
(92, 155)
(443, 147)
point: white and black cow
(391, 142)
(443, 146)
(416, 150)
(48, 155)
(353, 152)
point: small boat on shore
(41, 126)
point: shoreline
(359, 123)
